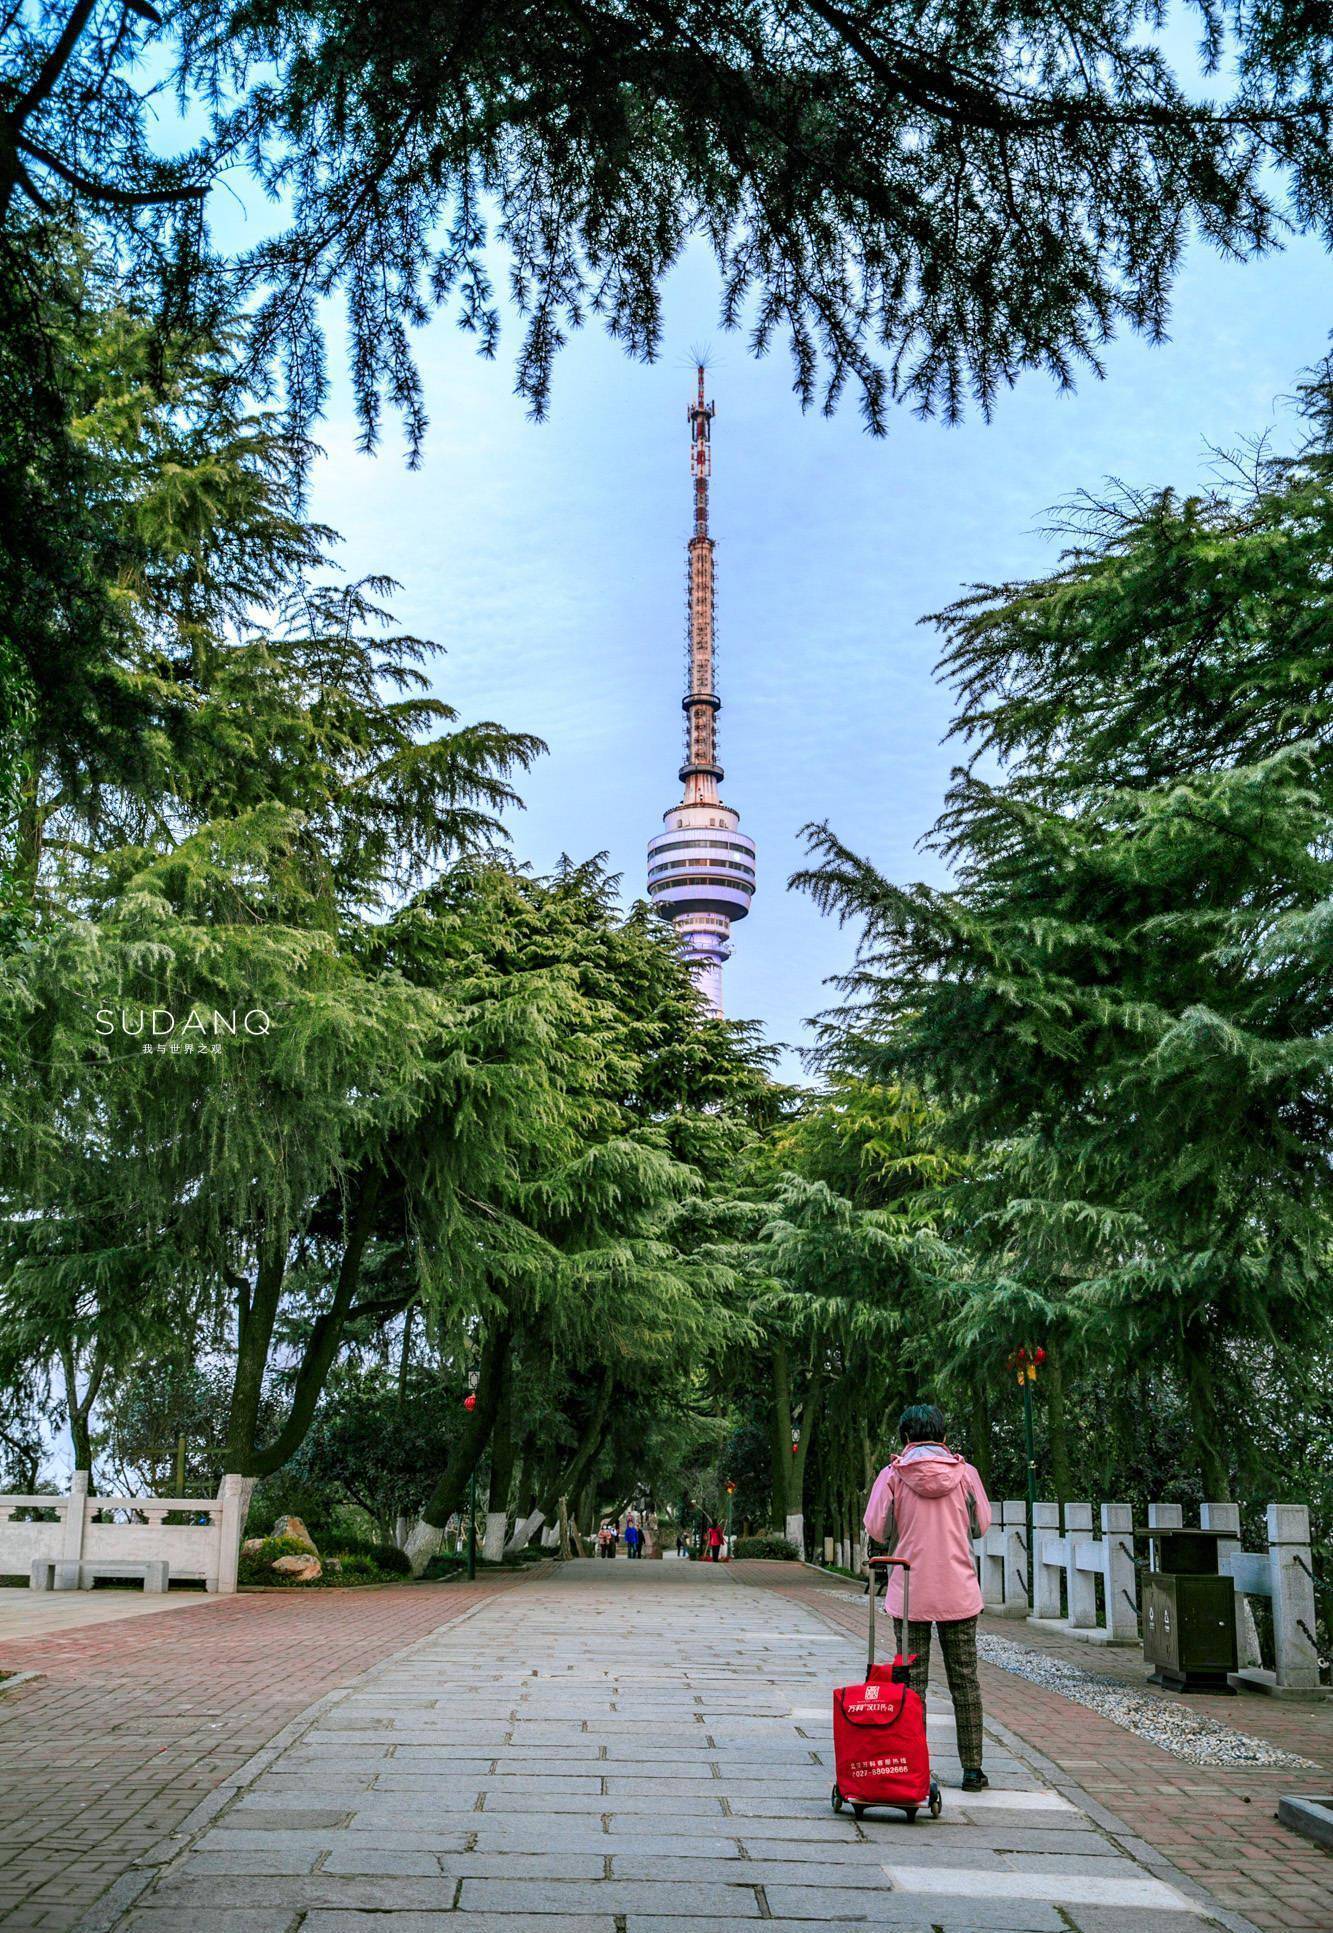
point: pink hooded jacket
(923, 1495)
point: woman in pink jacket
(927, 1505)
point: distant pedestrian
(714, 1543)
(926, 1506)
(682, 1542)
(633, 1539)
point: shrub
(390, 1558)
(354, 1564)
(443, 1565)
(766, 1545)
(255, 1566)
(351, 1546)
(288, 1494)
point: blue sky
(548, 560)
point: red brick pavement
(133, 1723)
(1219, 1825)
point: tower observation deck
(701, 868)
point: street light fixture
(1025, 1364)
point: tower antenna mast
(701, 869)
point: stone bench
(79, 1574)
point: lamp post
(731, 1491)
(1025, 1364)
(469, 1404)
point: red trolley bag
(880, 1751)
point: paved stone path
(626, 1749)
(26, 1614)
(130, 1724)
(1218, 1824)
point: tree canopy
(1120, 1001)
(922, 203)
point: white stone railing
(1066, 1567)
(1002, 1562)
(203, 1550)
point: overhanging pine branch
(100, 191)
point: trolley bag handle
(905, 1567)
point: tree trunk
(451, 1490)
(502, 1466)
(502, 1441)
(780, 1435)
(79, 1409)
(325, 1337)
(587, 1517)
(594, 1435)
(1206, 1424)
(544, 1473)
(980, 1445)
(256, 1314)
(794, 1527)
(405, 1354)
(525, 1497)
(422, 1543)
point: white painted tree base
(493, 1543)
(424, 1542)
(524, 1531)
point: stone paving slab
(1215, 1825)
(455, 1923)
(643, 1764)
(135, 1720)
(28, 1616)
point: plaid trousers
(958, 1643)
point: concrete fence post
(234, 1497)
(1046, 1576)
(1163, 1516)
(1293, 1597)
(1014, 1559)
(1080, 1585)
(990, 1548)
(1225, 1518)
(75, 1525)
(1120, 1578)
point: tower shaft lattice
(701, 870)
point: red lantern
(1041, 1356)
(470, 1400)
(795, 1446)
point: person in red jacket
(926, 1506)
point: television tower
(701, 869)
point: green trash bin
(1189, 1613)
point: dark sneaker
(974, 1779)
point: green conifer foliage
(1122, 1001)
(923, 203)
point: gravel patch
(1175, 1728)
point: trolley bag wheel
(835, 1799)
(936, 1799)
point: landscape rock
(301, 1570)
(294, 1528)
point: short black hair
(922, 1423)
